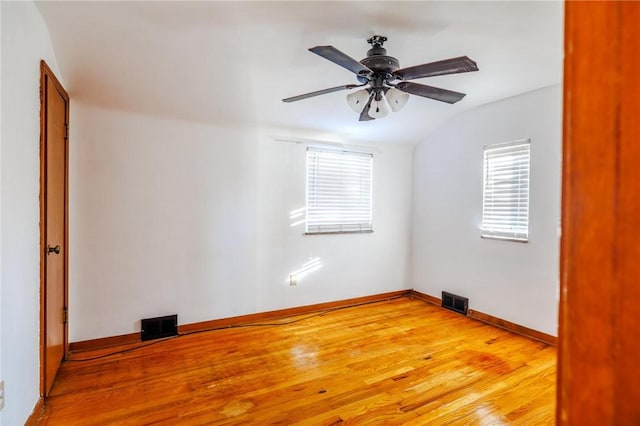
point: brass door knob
(55, 249)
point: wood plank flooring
(396, 362)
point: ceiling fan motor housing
(381, 63)
(377, 59)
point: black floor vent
(155, 328)
(455, 303)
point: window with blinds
(505, 204)
(339, 186)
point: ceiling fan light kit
(397, 99)
(387, 99)
(357, 100)
(383, 84)
(379, 107)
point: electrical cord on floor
(123, 351)
(226, 327)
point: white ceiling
(233, 62)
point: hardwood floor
(397, 362)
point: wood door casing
(598, 371)
(54, 224)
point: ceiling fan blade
(364, 115)
(321, 92)
(342, 59)
(447, 66)
(443, 95)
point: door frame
(48, 77)
(598, 379)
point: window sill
(497, 237)
(370, 231)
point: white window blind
(339, 186)
(505, 205)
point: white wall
(176, 217)
(1, 375)
(514, 281)
(25, 40)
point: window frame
(520, 234)
(337, 227)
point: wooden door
(599, 344)
(54, 165)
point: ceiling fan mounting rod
(377, 40)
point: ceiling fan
(385, 84)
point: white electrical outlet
(1, 395)
(293, 279)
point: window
(338, 191)
(505, 203)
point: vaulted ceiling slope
(233, 62)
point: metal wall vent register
(455, 303)
(156, 328)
